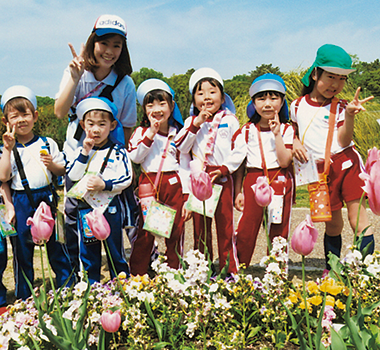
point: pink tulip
(200, 181)
(110, 321)
(372, 187)
(42, 223)
(98, 224)
(373, 156)
(263, 191)
(304, 237)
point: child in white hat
(209, 135)
(147, 147)
(102, 156)
(40, 158)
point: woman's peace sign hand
(76, 65)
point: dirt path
(314, 262)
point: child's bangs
(159, 95)
(265, 93)
(212, 81)
(20, 104)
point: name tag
(347, 164)
(173, 181)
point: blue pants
(23, 245)
(3, 265)
(90, 254)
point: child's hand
(76, 66)
(355, 106)
(10, 214)
(88, 144)
(9, 139)
(239, 202)
(186, 213)
(46, 158)
(154, 125)
(95, 183)
(299, 151)
(215, 175)
(274, 124)
(202, 117)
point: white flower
(273, 268)
(80, 288)
(191, 327)
(213, 288)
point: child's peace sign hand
(9, 139)
(77, 64)
(356, 105)
(274, 124)
(154, 124)
(88, 144)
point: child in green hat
(311, 114)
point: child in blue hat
(311, 114)
(268, 140)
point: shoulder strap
(47, 144)
(107, 91)
(330, 134)
(106, 159)
(24, 180)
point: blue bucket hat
(268, 82)
(157, 84)
(18, 91)
(330, 58)
(103, 104)
(210, 73)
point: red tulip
(98, 224)
(372, 187)
(110, 321)
(200, 182)
(373, 156)
(42, 223)
(304, 237)
(263, 191)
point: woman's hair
(122, 66)
(159, 95)
(198, 86)
(256, 116)
(20, 104)
(308, 89)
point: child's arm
(346, 131)
(78, 168)
(55, 168)
(284, 155)
(9, 142)
(63, 102)
(7, 198)
(238, 176)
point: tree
(263, 69)
(367, 76)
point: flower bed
(187, 309)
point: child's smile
(208, 97)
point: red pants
(172, 196)
(252, 217)
(224, 227)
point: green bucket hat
(330, 58)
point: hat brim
(104, 31)
(266, 85)
(339, 71)
(93, 103)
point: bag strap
(24, 180)
(107, 91)
(211, 137)
(164, 154)
(333, 110)
(103, 167)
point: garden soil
(315, 262)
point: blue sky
(233, 37)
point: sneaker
(3, 309)
(325, 273)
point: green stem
(114, 270)
(55, 294)
(205, 236)
(269, 243)
(304, 300)
(358, 218)
(43, 269)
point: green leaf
(337, 342)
